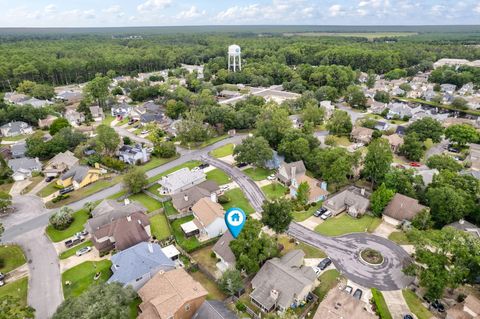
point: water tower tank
(234, 59)
(234, 49)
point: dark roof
(400, 130)
(193, 194)
(222, 248)
(402, 207)
(465, 226)
(214, 309)
(78, 173)
(109, 210)
(151, 117)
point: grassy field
(328, 280)
(48, 190)
(156, 161)
(18, 288)
(6, 187)
(149, 203)
(80, 218)
(257, 173)
(415, 305)
(14, 138)
(218, 176)
(399, 237)
(214, 292)
(190, 164)
(108, 119)
(223, 151)
(310, 251)
(381, 305)
(344, 224)
(274, 191)
(301, 216)
(159, 226)
(82, 276)
(188, 244)
(204, 257)
(35, 180)
(71, 252)
(12, 256)
(238, 199)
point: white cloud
(477, 8)
(437, 9)
(51, 8)
(191, 13)
(335, 10)
(154, 5)
(114, 10)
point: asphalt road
(124, 132)
(344, 251)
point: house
(214, 309)
(36, 103)
(395, 141)
(381, 126)
(109, 210)
(171, 295)
(474, 157)
(70, 96)
(466, 89)
(318, 191)
(181, 180)
(133, 154)
(467, 227)
(401, 130)
(468, 309)
(275, 95)
(15, 128)
(122, 233)
(401, 208)
(97, 113)
(397, 92)
(429, 95)
(60, 163)
(209, 218)
(352, 199)
(74, 118)
(183, 201)
(401, 110)
(361, 134)
(46, 122)
(339, 304)
(79, 176)
(224, 253)
(448, 88)
(24, 167)
(329, 108)
(282, 282)
(290, 170)
(378, 107)
(14, 97)
(136, 265)
(121, 110)
(18, 149)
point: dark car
(453, 149)
(204, 165)
(324, 263)
(66, 190)
(319, 212)
(358, 294)
(407, 317)
(309, 297)
(75, 241)
(49, 179)
(2, 276)
(240, 165)
(435, 304)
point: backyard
(159, 227)
(189, 244)
(274, 191)
(12, 256)
(214, 293)
(150, 204)
(258, 173)
(169, 209)
(77, 279)
(223, 151)
(204, 257)
(415, 305)
(344, 224)
(218, 176)
(79, 219)
(237, 199)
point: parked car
(2, 276)
(324, 263)
(224, 188)
(83, 251)
(320, 211)
(271, 177)
(82, 233)
(358, 294)
(144, 132)
(240, 165)
(309, 297)
(204, 165)
(435, 304)
(415, 164)
(453, 149)
(49, 179)
(66, 190)
(348, 289)
(326, 215)
(317, 271)
(75, 241)
(407, 317)
(195, 169)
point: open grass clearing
(238, 199)
(150, 204)
(223, 151)
(345, 224)
(415, 305)
(79, 219)
(218, 176)
(77, 279)
(189, 244)
(258, 173)
(274, 191)
(12, 256)
(159, 226)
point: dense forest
(64, 58)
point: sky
(110, 13)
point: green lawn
(189, 244)
(14, 138)
(122, 122)
(108, 119)
(18, 288)
(301, 216)
(274, 191)
(6, 187)
(155, 162)
(190, 164)
(154, 189)
(328, 280)
(134, 307)
(80, 218)
(214, 292)
(204, 257)
(415, 305)
(381, 305)
(238, 199)
(310, 251)
(344, 224)
(399, 237)
(49, 189)
(218, 176)
(258, 173)
(169, 209)
(159, 226)
(81, 276)
(223, 151)
(150, 204)
(12, 256)
(71, 252)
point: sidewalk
(17, 273)
(396, 304)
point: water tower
(234, 59)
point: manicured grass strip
(238, 199)
(190, 164)
(149, 203)
(6, 187)
(18, 289)
(155, 162)
(218, 176)
(169, 209)
(49, 189)
(258, 173)
(381, 305)
(328, 280)
(415, 305)
(301, 216)
(80, 218)
(35, 180)
(344, 224)
(223, 151)
(189, 244)
(214, 292)
(399, 237)
(274, 191)
(82, 276)
(71, 252)
(159, 226)
(310, 251)
(12, 256)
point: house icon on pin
(235, 217)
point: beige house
(353, 200)
(401, 208)
(361, 135)
(60, 163)
(395, 141)
(46, 122)
(171, 295)
(469, 309)
(209, 218)
(474, 157)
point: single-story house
(288, 171)
(209, 218)
(46, 122)
(378, 107)
(172, 294)
(361, 134)
(24, 167)
(468, 309)
(133, 154)
(224, 253)
(122, 233)
(136, 265)
(352, 199)
(74, 118)
(60, 163)
(70, 97)
(181, 180)
(467, 227)
(448, 88)
(183, 201)
(401, 208)
(381, 126)
(36, 103)
(318, 190)
(97, 113)
(15, 128)
(121, 110)
(214, 309)
(18, 149)
(395, 141)
(79, 176)
(14, 97)
(109, 210)
(282, 282)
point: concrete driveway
(396, 304)
(18, 187)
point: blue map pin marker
(235, 219)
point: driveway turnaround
(344, 251)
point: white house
(15, 129)
(209, 218)
(97, 113)
(23, 167)
(133, 154)
(181, 180)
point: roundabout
(371, 257)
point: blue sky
(108, 13)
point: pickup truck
(75, 241)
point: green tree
(441, 162)
(423, 220)
(43, 91)
(371, 79)
(446, 204)
(2, 229)
(97, 90)
(303, 193)
(61, 219)
(253, 150)
(340, 123)
(461, 134)
(355, 97)
(412, 148)
(404, 181)
(313, 113)
(327, 93)
(427, 128)
(272, 124)
(135, 180)
(165, 149)
(107, 139)
(378, 160)
(175, 108)
(192, 128)
(5, 201)
(231, 282)
(57, 125)
(26, 87)
(380, 199)
(382, 96)
(89, 206)
(114, 303)
(12, 308)
(460, 103)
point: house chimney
(274, 294)
(126, 201)
(185, 197)
(461, 221)
(213, 197)
(129, 218)
(323, 185)
(150, 248)
(293, 170)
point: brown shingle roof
(402, 207)
(192, 195)
(315, 190)
(207, 211)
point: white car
(83, 251)
(317, 271)
(224, 188)
(271, 177)
(326, 215)
(195, 169)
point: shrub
(223, 199)
(113, 163)
(62, 219)
(240, 306)
(213, 255)
(60, 197)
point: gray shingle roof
(214, 309)
(77, 172)
(110, 210)
(26, 163)
(222, 248)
